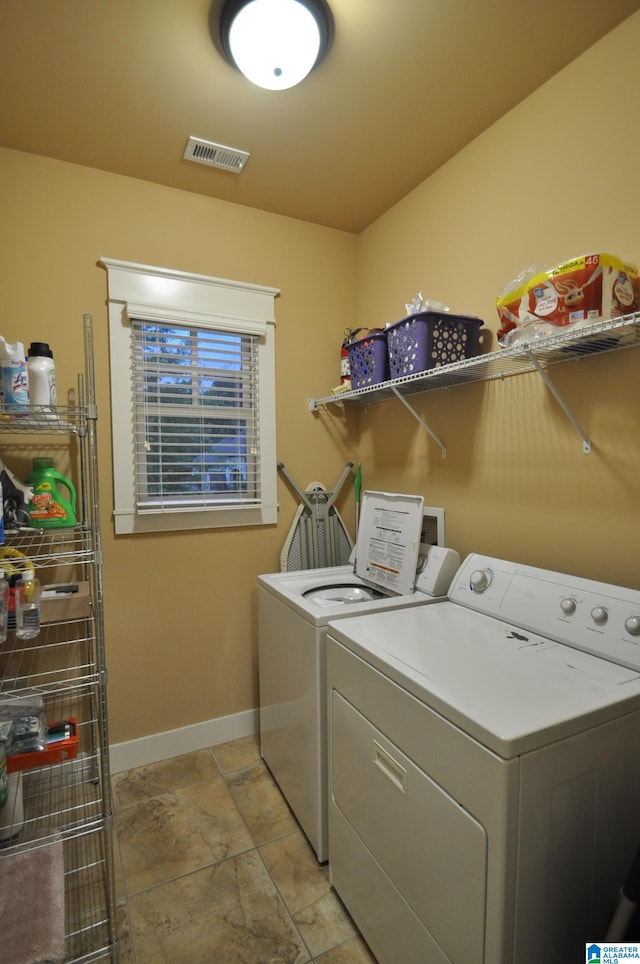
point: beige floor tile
(261, 804)
(324, 923)
(305, 889)
(237, 755)
(354, 951)
(118, 877)
(199, 892)
(132, 786)
(127, 955)
(297, 874)
(179, 832)
(226, 914)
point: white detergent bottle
(41, 370)
(15, 382)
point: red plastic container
(55, 752)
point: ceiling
(121, 84)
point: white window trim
(161, 294)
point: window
(193, 400)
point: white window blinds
(196, 417)
(192, 361)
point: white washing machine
(484, 764)
(294, 609)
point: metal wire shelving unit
(69, 800)
(535, 356)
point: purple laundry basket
(368, 360)
(429, 340)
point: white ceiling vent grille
(215, 155)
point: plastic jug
(41, 370)
(50, 507)
(15, 380)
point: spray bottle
(15, 383)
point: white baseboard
(162, 746)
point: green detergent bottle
(51, 507)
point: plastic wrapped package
(29, 733)
(575, 293)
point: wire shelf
(62, 659)
(48, 548)
(62, 420)
(566, 345)
(62, 798)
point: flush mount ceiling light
(275, 43)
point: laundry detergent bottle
(53, 504)
(41, 370)
(15, 380)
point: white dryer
(484, 759)
(392, 568)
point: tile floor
(212, 868)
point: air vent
(215, 155)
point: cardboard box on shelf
(59, 603)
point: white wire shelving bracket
(418, 418)
(566, 345)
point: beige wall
(555, 178)
(180, 609)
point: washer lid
(389, 531)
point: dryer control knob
(599, 615)
(632, 625)
(568, 606)
(480, 580)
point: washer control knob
(632, 625)
(599, 614)
(480, 580)
(568, 606)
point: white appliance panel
(470, 774)
(577, 833)
(376, 905)
(373, 778)
(588, 615)
(293, 713)
(513, 691)
(292, 717)
(535, 742)
(294, 609)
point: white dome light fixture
(275, 43)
